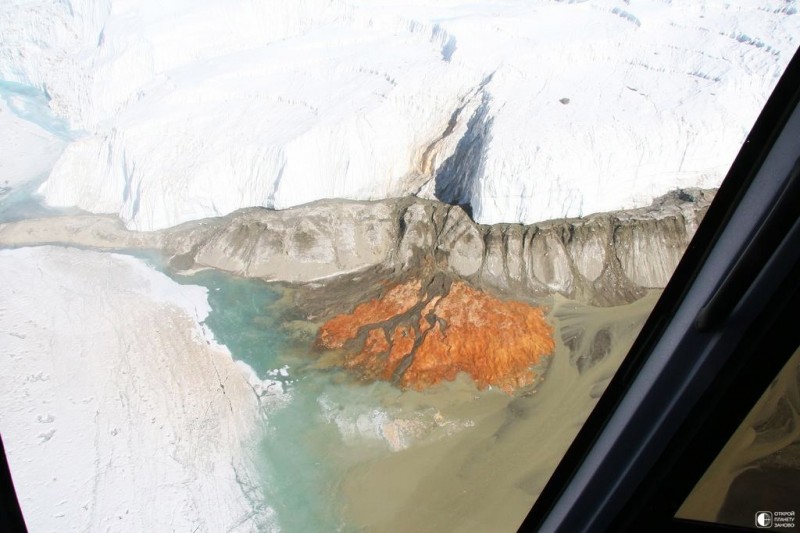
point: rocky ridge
(603, 259)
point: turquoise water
(243, 318)
(33, 105)
(298, 452)
(329, 424)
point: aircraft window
(326, 266)
(755, 479)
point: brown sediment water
(487, 476)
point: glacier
(106, 428)
(525, 111)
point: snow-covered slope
(109, 429)
(526, 110)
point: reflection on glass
(758, 470)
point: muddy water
(486, 477)
(339, 454)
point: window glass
(755, 479)
(343, 265)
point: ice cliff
(525, 111)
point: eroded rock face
(301, 244)
(417, 335)
(603, 259)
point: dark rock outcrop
(603, 259)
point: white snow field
(194, 108)
(118, 414)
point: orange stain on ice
(418, 340)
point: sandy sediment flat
(118, 412)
